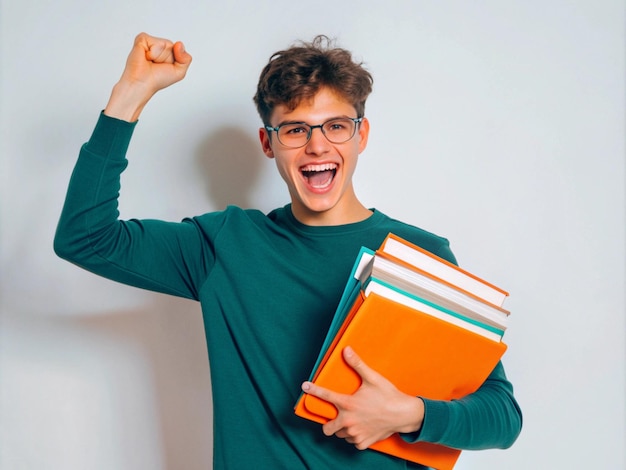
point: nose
(318, 143)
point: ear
(364, 132)
(266, 142)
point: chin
(320, 206)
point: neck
(332, 216)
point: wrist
(126, 102)
(414, 414)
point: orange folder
(420, 354)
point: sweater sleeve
(486, 419)
(161, 256)
(489, 418)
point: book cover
(426, 357)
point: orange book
(424, 284)
(424, 260)
(420, 354)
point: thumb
(181, 56)
(355, 361)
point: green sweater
(268, 286)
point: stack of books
(431, 328)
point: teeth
(323, 167)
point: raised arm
(150, 254)
(153, 64)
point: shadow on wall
(167, 342)
(231, 163)
(168, 332)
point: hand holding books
(374, 412)
(426, 336)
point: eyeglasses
(297, 134)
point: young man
(269, 283)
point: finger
(151, 46)
(354, 360)
(338, 427)
(160, 50)
(332, 427)
(323, 393)
(160, 53)
(350, 438)
(342, 434)
(361, 445)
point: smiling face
(319, 174)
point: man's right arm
(89, 234)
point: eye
(294, 129)
(337, 125)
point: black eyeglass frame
(356, 121)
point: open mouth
(319, 176)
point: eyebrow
(304, 122)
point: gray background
(499, 125)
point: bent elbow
(67, 242)
(515, 422)
(62, 246)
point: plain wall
(499, 125)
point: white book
(442, 269)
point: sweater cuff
(436, 417)
(111, 136)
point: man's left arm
(487, 418)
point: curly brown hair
(299, 72)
